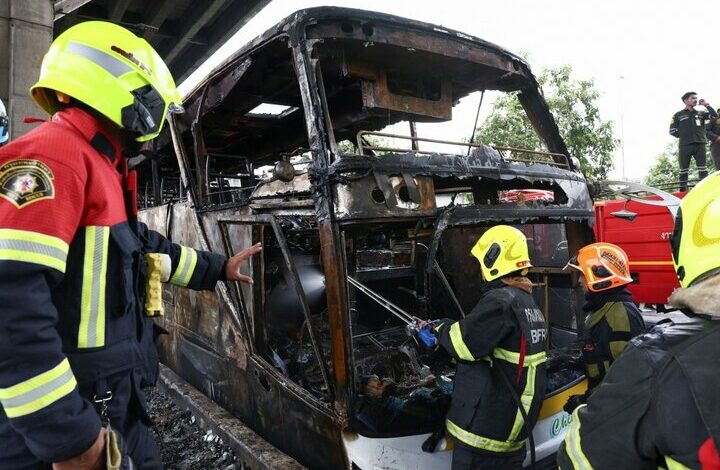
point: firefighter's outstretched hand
(91, 459)
(232, 267)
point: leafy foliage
(664, 172)
(666, 168)
(574, 104)
(348, 147)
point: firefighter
(658, 403)
(75, 344)
(612, 316)
(498, 346)
(4, 125)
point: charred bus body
(304, 357)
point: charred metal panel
(376, 93)
(299, 185)
(472, 215)
(384, 195)
(485, 164)
(255, 453)
(382, 258)
(262, 400)
(384, 29)
(332, 251)
(240, 294)
(360, 197)
(206, 346)
(462, 272)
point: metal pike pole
(389, 306)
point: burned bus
(319, 140)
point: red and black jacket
(657, 407)
(72, 281)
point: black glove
(573, 402)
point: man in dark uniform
(658, 405)
(499, 346)
(75, 343)
(713, 136)
(688, 125)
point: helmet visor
(573, 263)
(144, 116)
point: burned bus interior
(310, 140)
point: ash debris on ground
(183, 444)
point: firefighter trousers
(686, 153)
(126, 411)
(466, 459)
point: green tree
(665, 171)
(574, 104)
(350, 147)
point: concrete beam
(25, 36)
(230, 22)
(118, 10)
(191, 28)
(155, 17)
(64, 7)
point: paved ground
(183, 444)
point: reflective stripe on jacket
(483, 414)
(612, 321)
(657, 405)
(71, 282)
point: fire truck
(643, 231)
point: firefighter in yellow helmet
(603, 270)
(658, 404)
(498, 346)
(75, 344)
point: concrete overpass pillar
(26, 28)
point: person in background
(688, 125)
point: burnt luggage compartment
(319, 140)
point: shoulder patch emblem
(23, 182)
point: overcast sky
(642, 54)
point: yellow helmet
(501, 250)
(111, 70)
(696, 238)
